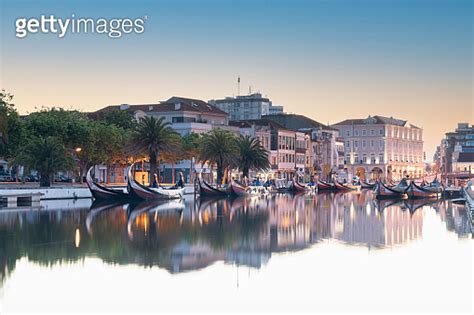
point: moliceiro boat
(248, 191)
(206, 190)
(101, 192)
(322, 185)
(414, 191)
(140, 191)
(300, 188)
(382, 191)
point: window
(372, 143)
(364, 143)
(381, 159)
(356, 133)
(364, 132)
(348, 145)
(364, 158)
(356, 144)
(372, 158)
(372, 132)
(348, 133)
(348, 159)
(381, 132)
(356, 158)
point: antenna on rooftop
(238, 85)
(250, 89)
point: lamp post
(76, 152)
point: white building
(379, 146)
(245, 107)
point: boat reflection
(189, 235)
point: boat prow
(140, 191)
(101, 192)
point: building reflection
(190, 235)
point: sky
(329, 60)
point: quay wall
(66, 192)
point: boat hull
(206, 190)
(139, 191)
(384, 192)
(326, 186)
(416, 192)
(100, 192)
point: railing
(469, 196)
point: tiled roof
(381, 120)
(186, 104)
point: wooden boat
(300, 188)
(342, 187)
(325, 186)
(248, 191)
(414, 191)
(365, 185)
(382, 191)
(401, 186)
(101, 192)
(140, 191)
(206, 190)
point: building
(382, 147)
(287, 148)
(246, 107)
(324, 148)
(454, 158)
(185, 115)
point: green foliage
(252, 155)
(119, 118)
(47, 156)
(151, 137)
(219, 147)
(12, 131)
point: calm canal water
(326, 252)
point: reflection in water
(188, 235)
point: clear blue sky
(330, 60)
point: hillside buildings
(244, 107)
(382, 147)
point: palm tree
(47, 156)
(151, 137)
(219, 147)
(252, 155)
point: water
(326, 252)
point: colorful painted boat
(342, 187)
(301, 188)
(101, 192)
(325, 186)
(206, 190)
(140, 191)
(248, 191)
(382, 191)
(415, 192)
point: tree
(119, 118)
(47, 156)
(12, 129)
(219, 147)
(252, 155)
(151, 137)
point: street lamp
(79, 149)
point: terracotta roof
(186, 104)
(466, 157)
